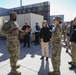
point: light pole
(21, 3)
(71, 16)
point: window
(28, 10)
(24, 7)
(19, 11)
(45, 3)
(42, 4)
(46, 8)
(34, 9)
(23, 11)
(40, 8)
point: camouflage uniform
(56, 50)
(13, 43)
(68, 37)
(73, 53)
(64, 28)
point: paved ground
(31, 63)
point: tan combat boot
(15, 72)
(53, 73)
(17, 66)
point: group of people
(69, 38)
(47, 34)
(26, 37)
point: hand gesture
(27, 30)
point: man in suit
(37, 33)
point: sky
(57, 7)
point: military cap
(58, 18)
(13, 13)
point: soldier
(11, 30)
(56, 46)
(64, 28)
(73, 44)
(68, 36)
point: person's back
(73, 46)
(73, 35)
(68, 30)
(37, 27)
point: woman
(45, 38)
(56, 46)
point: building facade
(4, 12)
(39, 8)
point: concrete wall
(21, 19)
(36, 18)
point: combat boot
(17, 66)
(72, 67)
(54, 73)
(15, 72)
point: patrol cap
(58, 18)
(13, 13)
